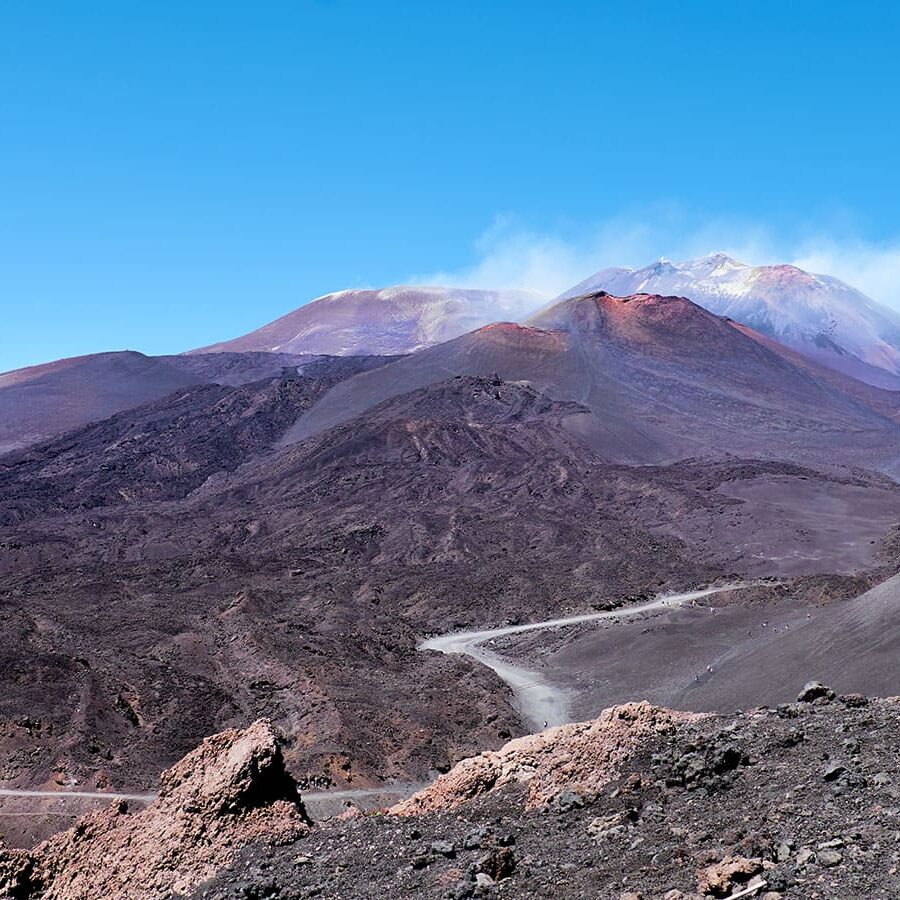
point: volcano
(663, 378)
(385, 322)
(822, 317)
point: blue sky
(179, 173)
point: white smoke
(509, 256)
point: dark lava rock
(815, 690)
(780, 878)
(461, 890)
(475, 838)
(712, 764)
(443, 848)
(771, 823)
(792, 738)
(569, 800)
(854, 700)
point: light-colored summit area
(384, 322)
(819, 315)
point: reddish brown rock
(231, 790)
(581, 758)
(719, 878)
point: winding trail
(540, 702)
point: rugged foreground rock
(799, 801)
(581, 757)
(231, 790)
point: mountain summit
(658, 378)
(820, 316)
(384, 322)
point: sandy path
(539, 701)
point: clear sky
(179, 173)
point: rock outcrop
(643, 803)
(232, 790)
(577, 759)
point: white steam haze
(512, 257)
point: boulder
(577, 759)
(499, 863)
(443, 848)
(815, 690)
(854, 701)
(829, 858)
(720, 878)
(232, 790)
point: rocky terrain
(818, 315)
(798, 801)
(794, 801)
(232, 789)
(42, 401)
(277, 536)
(166, 449)
(170, 572)
(234, 369)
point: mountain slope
(145, 612)
(393, 320)
(821, 316)
(168, 448)
(663, 378)
(883, 401)
(46, 400)
(236, 368)
(297, 585)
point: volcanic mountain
(664, 379)
(170, 572)
(820, 316)
(46, 400)
(42, 402)
(390, 321)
